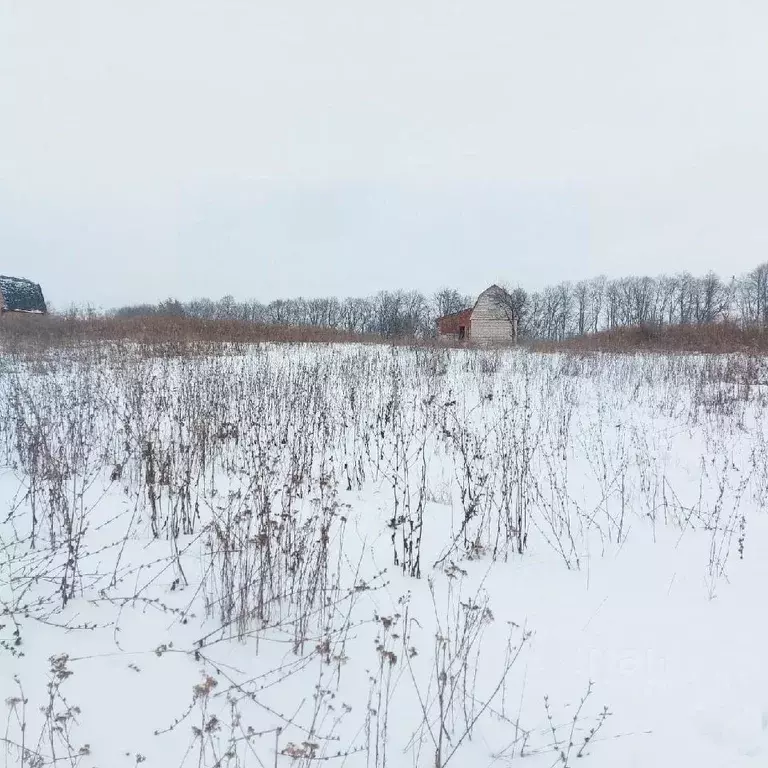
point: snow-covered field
(368, 557)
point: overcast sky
(274, 148)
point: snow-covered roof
(21, 295)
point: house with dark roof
(491, 320)
(20, 295)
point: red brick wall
(449, 324)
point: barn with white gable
(491, 320)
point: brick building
(490, 321)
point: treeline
(389, 313)
(558, 312)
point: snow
(213, 553)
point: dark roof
(455, 314)
(20, 295)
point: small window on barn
(462, 331)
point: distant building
(490, 321)
(20, 295)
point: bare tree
(711, 299)
(513, 301)
(596, 302)
(446, 301)
(356, 315)
(752, 295)
(582, 293)
(400, 313)
(316, 311)
(170, 308)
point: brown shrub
(715, 338)
(171, 335)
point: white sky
(272, 148)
